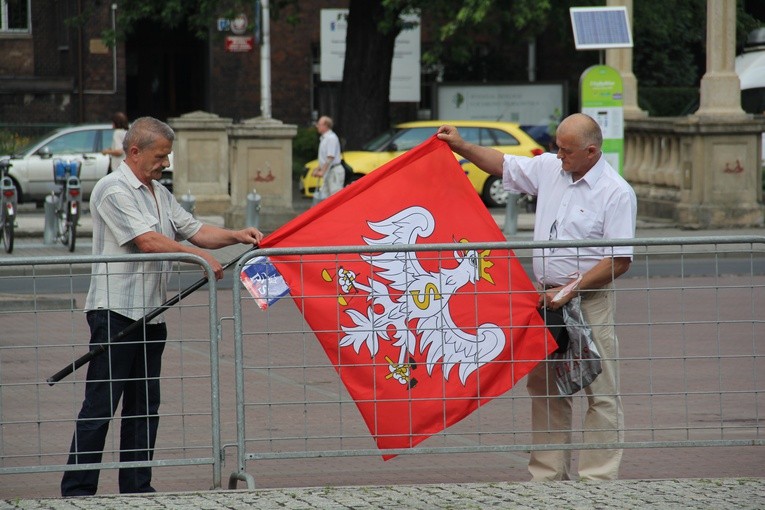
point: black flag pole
(101, 348)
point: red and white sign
(238, 43)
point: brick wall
(236, 92)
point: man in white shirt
(330, 167)
(132, 213)
(579, 197)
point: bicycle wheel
(63, 226)
(8, 225)
(72, 233)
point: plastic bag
(579, 364)
(319, 194)
(260, 277)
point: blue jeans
(129, 369)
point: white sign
(239, 24)
(405, 71)
(533, 103)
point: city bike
(8, 205)
(66, 175)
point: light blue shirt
(122, 209)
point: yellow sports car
(506, 137)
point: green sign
(600, 89)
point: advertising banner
(601, 94)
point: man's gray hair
(145, 131)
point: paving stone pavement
(720, 494)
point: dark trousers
(129, 369)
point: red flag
(420, 339)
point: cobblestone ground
(728, 493)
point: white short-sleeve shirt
(600, 205)
(118, 137)
(122, 208)
(329, 145)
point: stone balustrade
(696, 172)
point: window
(106, 139)
(470, 134)
(14, 15)
(497, 137)
(410, 138)
(78, 142)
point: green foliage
(197, 15)
(470, 26)
(485, 39)
(668, 101)
(667, 37)
(10, 141)
(305, 147)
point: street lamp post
(265, 63)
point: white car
(31, 167)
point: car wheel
(494, 195)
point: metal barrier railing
(43, 328)
(688, 324)
(690, 354)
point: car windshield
(27, 147)
(410, 138)
(78, 142)
(379, 142)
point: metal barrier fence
(691, 357)
(43, 328)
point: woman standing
(116, 151)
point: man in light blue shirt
(132, 213)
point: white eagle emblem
(423, 302)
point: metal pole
(51, 220)
(265, 64)
(101, 348)
(511, 214)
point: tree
(470, 40)
(373, 26)
(364, 92)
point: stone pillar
(621, 60)
(200, 160)
(720, 87)
(261, 158)
(721, 175)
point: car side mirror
(392, 147)
(44, 152)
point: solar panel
(597, 28)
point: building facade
(55, 72)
